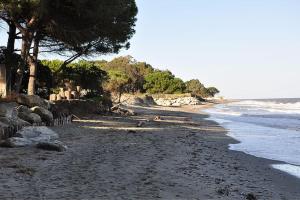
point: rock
(45, 114)
(224, 191)
(157, 118)
(177, 101)
(140, 124)
(37, 134)
(30, 117)
(58, 97)
(75, 94)
(148, 100)
(29, 136)
(24, 109)
(122, 111)
(131, 131)
(62, 93)
(8, 109)
(68, 95)
(14, 122)
(52, 97)
(52, 146)
(32, 100)
(251, 196)
(16, 142)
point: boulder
(68, 95)
(14, 122)
(30, 117)
(45, 114)
(24, 109)
(8, 109)
(16, 142)
(149, 100)
(52, 146)
(118, 109)
(37, 134)
(58, 97)
(178, 101)
(32, 100)
(52, 97)
(41, 136)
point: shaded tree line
(121, 75)
(71, 28)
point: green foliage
(85, 26)
(117, 83)
(212, 91)
(195, 87)
(121, 75)
(53, 65)
(163, 82)
(86, 74)
(135, 71)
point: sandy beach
(179, 156)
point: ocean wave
(275, 106)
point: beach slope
(161, 153)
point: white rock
(37, 134)
(45, 114)
(17, 142)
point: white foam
(290, 169)
(266, 142)
(264, 129)
(270, 106)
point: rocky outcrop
(16, 142)
(138, 100)
(8, 109)
(148, 100)
(52, 146)
(32, 101)
(181, 101)
(37, 134)
(119, 109)
(41, 137)
(32, 118)
(14, 122)
(78, 107)
(26, 114)
(45, 114)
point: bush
(163, 82)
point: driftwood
(122, 111)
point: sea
(268, 128)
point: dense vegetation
(73, 28)
(121, 75)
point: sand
(181, 156)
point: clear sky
(246, 48)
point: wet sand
(181, 156)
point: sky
(245, 48)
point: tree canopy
(163, 82)
(81, 27)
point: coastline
(181, 156)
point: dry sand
(181, 156)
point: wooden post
(3, 83)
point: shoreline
(181, 156)
(279, 165)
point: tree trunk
(33, 62)
(10, 48)
(26, 44)
(120, 94)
